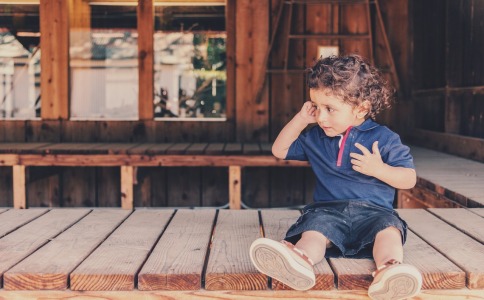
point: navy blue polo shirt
(336, 180)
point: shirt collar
(368, 124)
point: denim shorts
(351, 226)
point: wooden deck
(158, 253)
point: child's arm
(371, 164)
(291, 131)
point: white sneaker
(395, 281)
(284, 262)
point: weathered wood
(437, 271)
(479, 211)
(178, 148)
(49, 267)
(145, 18)
(15, 218)
(19, 187)
(127, 181)
(177, 260)
(251, 148)
(275, 224)
(423, 198)
(461, 294)
(115, 263)
(235, 187)
(54, 25)
(464, 146)
(196, 148)
(215, 148)
(229, 266)
(444, 238)
(22, 242)
(462, 219)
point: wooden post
(235, 183)
(19, 188)
(146, 24)
(127, 181)
(54, 78)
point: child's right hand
(308, 112)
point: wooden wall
(438, 58)
(447, 76)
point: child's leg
(392, 280)
(313, 244)
(388, 246)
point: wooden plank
(461, 294)
(114, 264)
(177, 260)
(178, 148)
(15, 218)
(127, 181)
(20, 147)
(276, 223)
(235, 187)
(54, 86)
(19, 187)
(215, 148)
(462, 219)
(266, 148)
(196, 148)
(233, 148)
(160, 148)
(145, 18)
(229, 266)
(251, 148)
(463, 146)
(437, 271)
(479, 211)
(444, 238)
(49, 267)
(19, 244)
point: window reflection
(190, 62)
(104, 64)
(19, 62)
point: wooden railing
(128, 157)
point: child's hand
(367, 163)
(308, 112)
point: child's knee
(390, 232)
(316, 235)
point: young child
(358, 165)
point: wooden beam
(235, 190)
(146, 25)
(127, 181)
(467, 147)
(19, 187)
(54, 78)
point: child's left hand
(367, 163)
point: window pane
(104, 62)
(190, 62)
(19, 62)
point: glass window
(19, 61)
(190, 62)
(104, 62)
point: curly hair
(352, 79)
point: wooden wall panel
(108, 187)
(145, 18)
(42, 131)
(12, 131)
(215, 188)
(43, 187)
(6, 191)
(428, 44)
(54, 86)
(256, 187)
(354, 21)
(183, 186)
(78, 187)
(252, 42)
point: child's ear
(363, 109)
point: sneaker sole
(273, 259)
(396, 285)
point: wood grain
(22, 242)
(49, 267)
(461, 249)
(229, 266)
(464, 220)
(114, 264)
(15, 218)
(276, 223)
(177, 261)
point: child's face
(333, 115)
